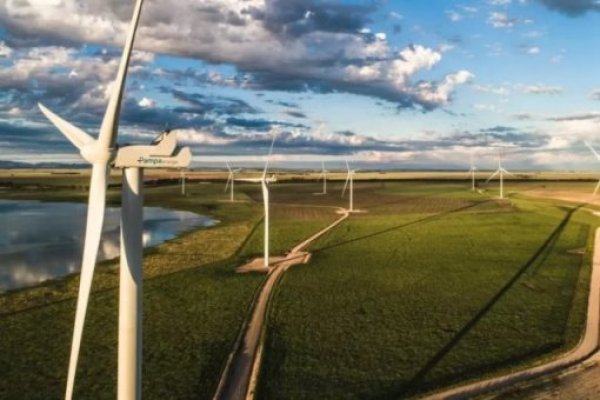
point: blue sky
(401, 84)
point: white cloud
(499, 2)
(501, 20)
(541, 89)
(454, 16)
(596, 94)
(145, 102)
(5, 51)
(235, 32)
(534, 50)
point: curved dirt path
(240, 375)
(587, 346)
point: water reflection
(40, 241)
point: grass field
(193, 302)
(430, 287)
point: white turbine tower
(182, 178)
(264, 182)
(501, 171)
(598, 157)
(350, 180)
(323, 175)
(472, 172)
(100, 153)
(230, 181)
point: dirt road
(239, 378)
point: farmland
(435, 288)
(429, 285)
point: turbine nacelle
(163, 153)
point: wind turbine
(598, 157)
(182, 178)
(322, 175)
(349, 179)
(230, 180)
(264, 182)
(472, 172)
(501, 170)
(100, 152)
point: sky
(393, 84)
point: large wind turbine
(472, 172)
(230, 180)
(598, 157)
(349, 179)
(501, 171)
(100, 153)
(264, 182)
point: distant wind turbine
(101, 153)
(230, 180)
(598, 157)
(349, 180)
(472, 172)
(265, 182)
(182, 173)
(323, 175)
(501, 171)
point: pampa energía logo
(150, 160)
(154, 161)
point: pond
(41, 241)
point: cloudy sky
(406, 84)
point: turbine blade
(347, 165)
(597, 188)
(93, 232)
(346, 185)
(264, 176)
(593, 150)
(77, 136)
(493, 175)
(228, 182)
(508, 172)
(110, 123)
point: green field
(194, 303)
(430, 286)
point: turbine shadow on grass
(429, 218)
(407, 389)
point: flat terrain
(194, 302)
(430, 286)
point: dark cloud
(200, 104)
(294, 18)
(572, 8)
(576, 117)
(296, 114)
(502, 136)
(261, 124)
(283, 103)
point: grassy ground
(430, 287)
(193, 301)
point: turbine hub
(93, 153)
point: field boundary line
(587, 345)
